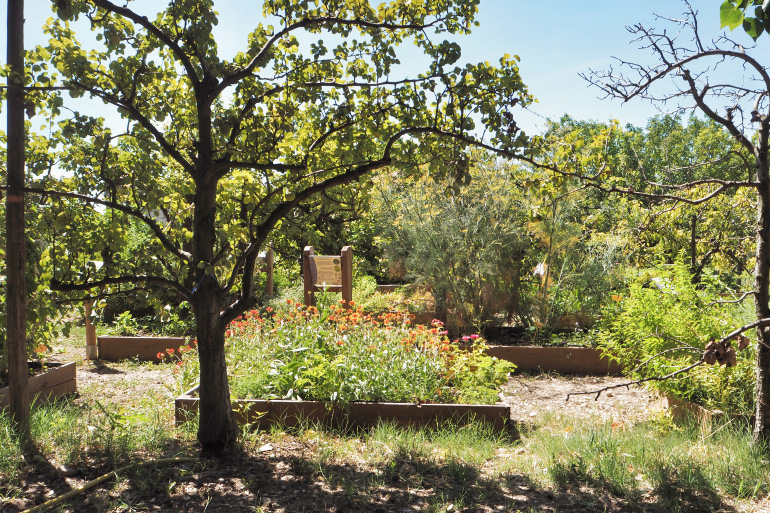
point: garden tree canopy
(671, 151)
(316, 100)
(742, 107)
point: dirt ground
(530, 395)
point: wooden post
(16, 292)
(347, 276)
(91, 348)
(269, 259)
(307, 275)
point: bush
(664, 324)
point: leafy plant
(664, 323)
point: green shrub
(664, 324)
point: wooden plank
(567, 360)
(388, 288)
(57, 381)
(146, 349)
(292, 413)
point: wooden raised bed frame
(59, 380)
(564, 360)
(261, 413)
(145, 349)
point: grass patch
(666, 467)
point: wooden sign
(326, 270)
(331, 273)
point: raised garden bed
(146, 349)
(262, 414)
(564, 360)
(57, 380)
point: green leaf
(753, 27)
(730, 15)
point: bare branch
(757, 324)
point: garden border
(146, 349)
(59, 380)
(261, 413)
(564, 360)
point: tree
(228, 148)
(742, 108)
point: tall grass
(683, 468)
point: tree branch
(156, 229)
(155, 31)
(143, 120)
(71, 287)
(757, 324)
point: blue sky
(556, 40)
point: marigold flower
(170, 350)
(160, 356)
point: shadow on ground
(292, 483)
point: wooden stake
(91, 348)
(269, 259)
(307, 276)
(347, 276)
(16, 298)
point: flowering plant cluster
(343, 355)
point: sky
(556, 41)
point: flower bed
(342, 357)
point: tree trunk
(761, 281)
(217, 428)
(16, 295)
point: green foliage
(476, 245)
(752, 15)
(664, 323)
(469, 243)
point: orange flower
(160, 356)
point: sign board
(330, 273)
(326, 270)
